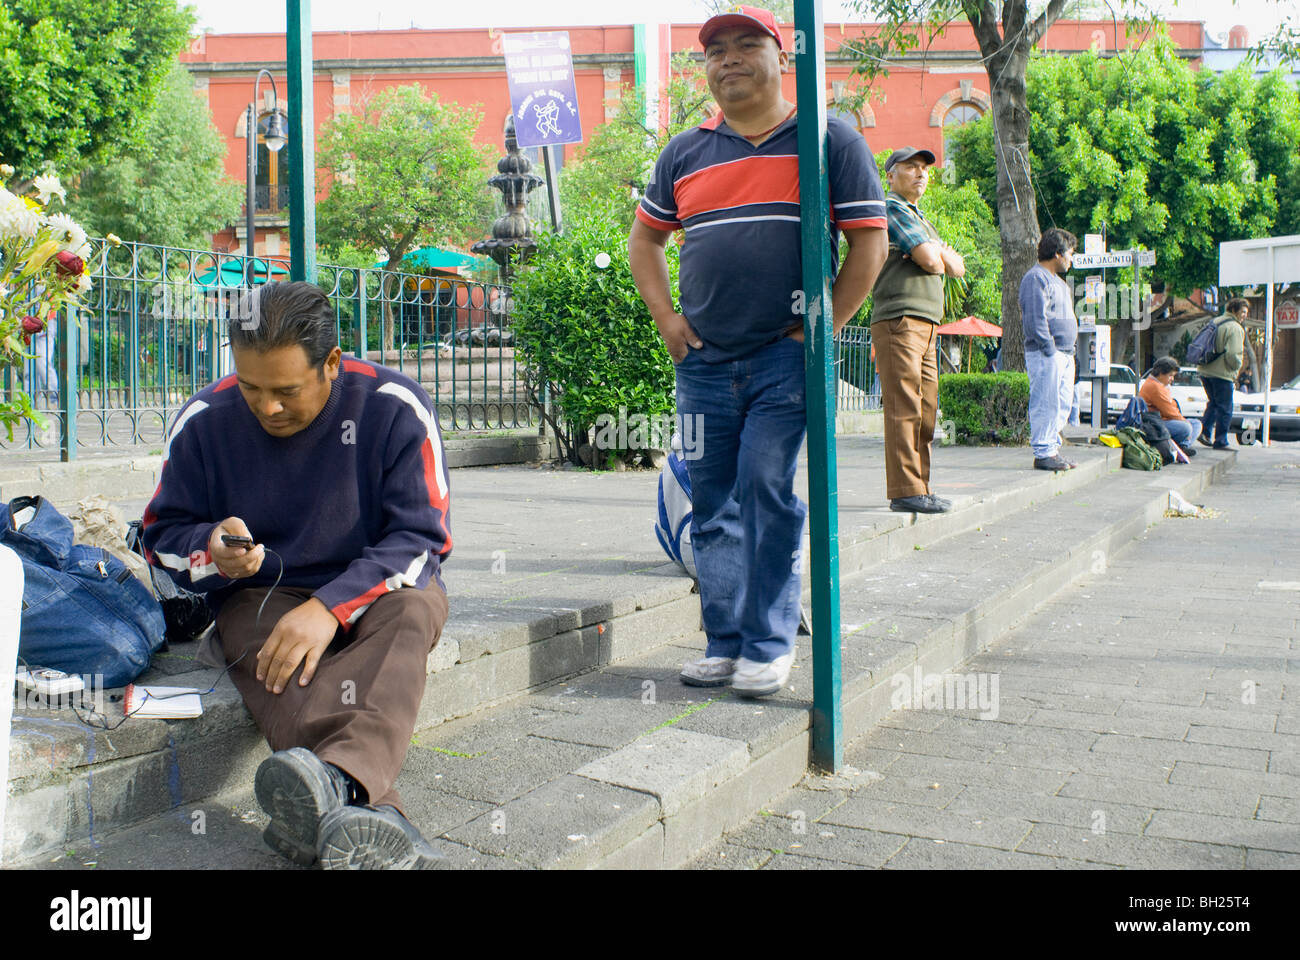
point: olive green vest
(904, 288)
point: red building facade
(927, 90)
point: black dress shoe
(297, 790)
(373, 838)
(1204, 441)
(918, 504)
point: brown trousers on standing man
(909, 385)
(359, 710)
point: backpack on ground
(1201, 349)
(83, 611)
(673, 523)
(1132, 415)
(1157, 434)
(1138, 454)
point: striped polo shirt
(738, 205)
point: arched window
(848, 116)
(272, 185)
(958, 115)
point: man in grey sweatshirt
(1047, 316)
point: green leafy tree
(621, 154)
(75, 76)
(171, 189)
(405, 172)
(1158, 155)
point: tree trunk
(1017, 211)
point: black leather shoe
(1051, 463)
(1204, 441)
(297, 790)
(1189, 450)
(918, 504)
(373, 838)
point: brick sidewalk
(1148, 716)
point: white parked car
(1284, 415)
(1189, 393)
(1120, 390)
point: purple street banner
(543, 94)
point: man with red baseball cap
(732, 185)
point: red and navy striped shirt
(738, 204)
(358, 504)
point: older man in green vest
(907, 308)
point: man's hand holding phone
(233, 550)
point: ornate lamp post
(512, 239)
(275, 139)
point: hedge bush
(986, 407)
(584, 332)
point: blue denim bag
(83, 611)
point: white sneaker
(709, 672)
(754, 679)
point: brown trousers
(909, 386)
(359, 710)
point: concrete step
(614, 656)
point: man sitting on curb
(1155, 391)
(338, 467)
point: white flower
(47, 184)
(83, 284)
(67, 231)
(6, 170)
(16, 218)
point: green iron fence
(151, 333)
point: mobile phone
(233, 541)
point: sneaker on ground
(1050, 463)
(373, 838)
(708, 672)
(921, 503)
(940, 502)
(754, 679)
(297, 790)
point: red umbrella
(970, 327)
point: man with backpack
(1217, 352)
(732, 185)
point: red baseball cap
(764, 20)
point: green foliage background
(171, 188)
(1168, 158)
(75, 76)
(585, 331)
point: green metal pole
(302, 141)
(819, 368)
(70, 368)
(360, 347)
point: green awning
(233, 274)
(436, 258)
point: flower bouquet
(42, 268)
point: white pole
(11, 602)
(1268, 339)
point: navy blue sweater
(357, 504)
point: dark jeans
(1218, 412)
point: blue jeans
(747, 522)
(1218, 411)
(1183, 432)
(1051, 395)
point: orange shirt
(1159, 399)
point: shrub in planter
(986, 407)
(583, 332)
